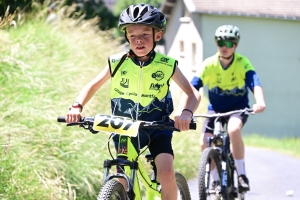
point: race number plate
(116, 124)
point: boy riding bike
(140, 81)
(228, 74)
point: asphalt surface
(272, 176)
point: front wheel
(112, 190)
(210, 157)
(182, 187)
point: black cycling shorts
(160, 141)
(161, 144)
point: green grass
(288, 146)
(42, 69)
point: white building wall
(173, 25)
(183, 41)
(187, 46)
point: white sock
(240, 166)
(215, 174)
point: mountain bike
(128, 159)
(218, 154)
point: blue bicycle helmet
(143, 14)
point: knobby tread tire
(207, 156)
(112, 190)
(182, 186)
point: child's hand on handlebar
(258, 108)
(182, 122)
(73, 115)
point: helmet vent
(162, 17)
(153, 13)
(136, 12)
(144, 11)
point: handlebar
(113, 123)
(164, 125)
(246, 111)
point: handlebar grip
(61, 119)
(193, 126)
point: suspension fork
(226, 146)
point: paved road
(271, 176)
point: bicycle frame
(128, 157)
(222, 144)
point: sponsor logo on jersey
(124, 82)
(148, 96)
(165, 60)
(115, 60)
(155, 86)
(159, 75)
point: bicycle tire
(207, 155)
(182, 186)
(112, 190)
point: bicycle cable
(149, 139)
(111, 135)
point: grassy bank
(42, 69)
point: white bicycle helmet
(228, 32)
(142, 14)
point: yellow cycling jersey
(229, 80)
(227, 88)
(142, 92)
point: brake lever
(76, 124)
(90, 127)
(249, 112)
(84, 126)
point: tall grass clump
(42, 69)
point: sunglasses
(228, 44)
